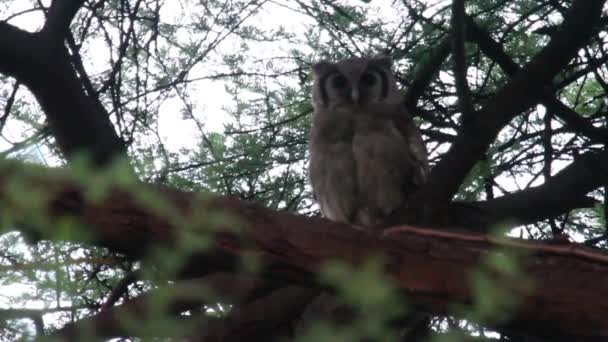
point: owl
(366, 154)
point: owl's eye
(368, 79)
(339, 81)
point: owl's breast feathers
(392, 124)
(388, 171)
(365, 167)
(333, 178)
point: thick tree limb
(574, 121)
(425, 72)
(559, 194)
(78, 122)
(59, 17)
(459, 56)
(265, 319)
(566, 190)
(524, 89)
(110, 323)
(120, 290)
(495, 52)
(260, 320)
(433, 268)
(183, 296)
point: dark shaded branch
(78, 122)
(109, 323)
(565, 191)
(184, 295)
(459, 55)
(59, 17)
(120, 290)
(425, 72)
(522, 91)
(12, 46)
(265, 319)
(574, 121)
(559, 194)
(495, 52)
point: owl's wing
(416, 147)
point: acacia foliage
(235, 84)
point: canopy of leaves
(214, 96)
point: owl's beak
(354, 94)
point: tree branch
(109, 323)
(460, 63)
(574, 121)
(495, 52)
(425, 72)
(524, 89)
(59, 17)
(292, 248)
(559, 194)
(265, 319)
(182, 296)
(78, 122)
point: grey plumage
(366, 154)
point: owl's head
(354, 82)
